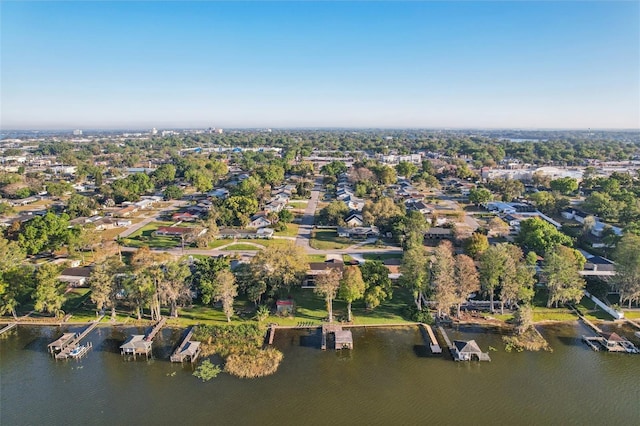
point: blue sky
(327, 64)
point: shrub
(412, 313)
(207, 371)
(251, 365)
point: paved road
(308, 218)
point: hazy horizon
(397, 65)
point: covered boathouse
(468, 351)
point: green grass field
(241, 247)
(145, 237)
(291, 231)
(382, 256)
(327, 239)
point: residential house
(439, 233)
(75, 277)
(359, 233)
(184, 217)
(318, 268)
(178, 231)
(354, 220)
(598, 266)
(126, 211)
(259, 221)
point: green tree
(334, 213)
(627, 278)
(561, 269)
(352, 287)
(49, 295)
(175, 286)
(406, 169)
(105, 284)
(566, 185)
(491, 270)
(241, 208)
(334, 168)
(226, 290)
(415, 273)
(443, 277)
(467, 279)
(164, 174)
(327, 285)
(173, 192)
(280, 267)
(204, 273)
(541, 236)
(48, 232)
(379, 286)
(476, 244)
(479, 196)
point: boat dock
(611, 342)
(156, 328)
(446, 338)
(187, 349)
(8, 327)
(140, 344)
(65, 345)
(271, 333)
(430, 339)
(343, 339)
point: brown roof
(175, 230)
(612, 337)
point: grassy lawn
(327, 239)
(553, 314)
(40, 204)
(111, 234)
(542, 313)
(261, 241)
(316, 257)
(299, 204)
(241, 247)
(145, 237)
(631, 314)
(311, 308)
(590, 310)
(218, 243)
(291, 231)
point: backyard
(327, 239)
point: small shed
(344, 339)
(468, 351)
(285, 307)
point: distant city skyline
(465, 65)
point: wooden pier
(187, 349)
(8, 327)
(446, 338)
(343, 339)
(156, 328)
(272, 334)
(430, 339)
(139, 344)
(64, 346)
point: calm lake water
(386, 380)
